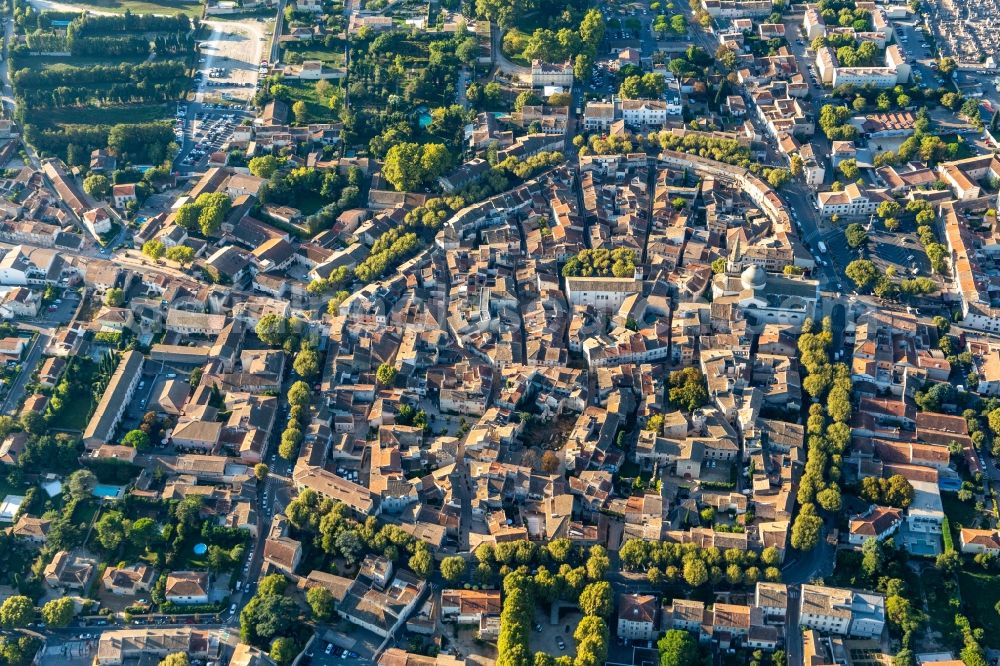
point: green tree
(598, 563)
(856, 235)
(114, 297)
(264, 166)
(453, 568)
(306, 364)
(688, 389)
(153, 249)
(850, 169)
(283, 649)
(888, 209)
(385, 374)
(110, 530)
(408, 166)
(175, 659)
(182, 254)
(16, 612)
(678, 648)
(97, 186)
(272, 584)
(695, 572)
(143, 532)
(806, 529)
(422, 562)
(58, 612)
(260, 471)
(81, 483)
(862, 273)
(872, 558)
(272, 330)
(321, 602)
(137, 439)
(597, 599)
(299, 394)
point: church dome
(753, 277)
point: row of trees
(728, 151)
(298, 413)
(91, 25)
(113, 94)
(688, 563)
(826, 440)
(65, 75)
(516, 617)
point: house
(248, 655)
(281, 551)
(12, 447)
(195, 434)
(128, 580)
(979, 541)
(51, 371)
(382, 612)
(69, 571)
(878, 522)
(31, 530)
(187, 587)
(469, 606)
(23, 265)
(637, 617)
(102, 161)
(194, 323)
(20, 302)
(841, 611)
(772, 600)
(852, 202)
(548, 74)
(122, 195)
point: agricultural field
(84, 82)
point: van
(239, 583)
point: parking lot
(230, 60)
(340, 649)
(205, 132)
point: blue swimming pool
(108, 491)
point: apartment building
(841, 611)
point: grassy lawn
(167, 7)
(318, 111)
(8, 488)
(960, 514)
(109, 115)
(941, 615)
(310, 202)
(48, 62)
(76, 409)
(980, 594)
(85, 512)
(329, 56)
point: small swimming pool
(200, 549)
(107, 491)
